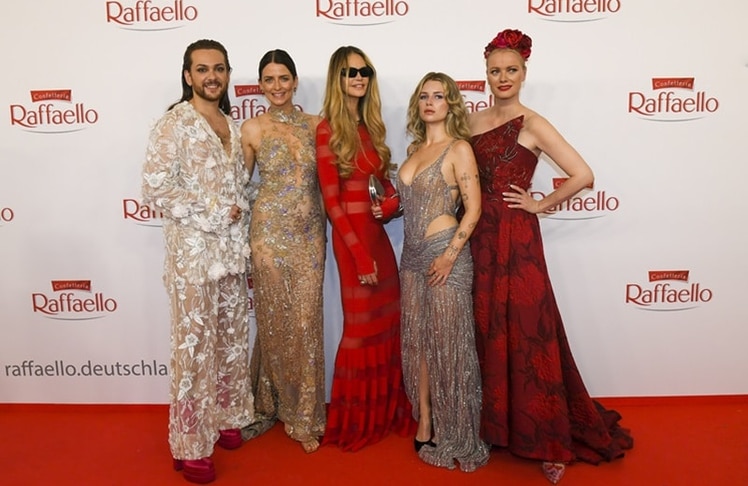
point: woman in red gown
(534, 400)
(368, 399)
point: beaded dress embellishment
(293, 117)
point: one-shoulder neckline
(521, 118)
(511, 120)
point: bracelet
(453, 250)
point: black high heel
(418, 444)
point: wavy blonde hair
(345, 141)
(456, 122)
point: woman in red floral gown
(534, 400)
(368, 399)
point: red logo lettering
(479, 86)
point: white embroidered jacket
(191, 179)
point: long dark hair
(224, 104)
(277, 56)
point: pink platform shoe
(230, 439)
(196, 470)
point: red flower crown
(510, 39)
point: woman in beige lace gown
(287, 239)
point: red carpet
(699, 441)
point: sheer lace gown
(287, 238)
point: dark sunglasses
(365, 72)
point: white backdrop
(648, 267)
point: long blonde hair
(456, 122)
(345, 141)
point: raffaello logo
(672, 100)
(667, 290)
(251, 102)
(573, 10)
(7, 215)
(73, 300)
(147, 15)
(53, 112)
(587, 204)
(473, 94)
(361, 12)
(142, 214)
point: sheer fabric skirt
(438, 326)
(210, 388)
(288, 361)
(367, 397)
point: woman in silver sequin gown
(440, 364)
(287, 239)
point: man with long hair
(195, 175)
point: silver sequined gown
(438, 322)
(287, 238)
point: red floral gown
(534, 400)
(368, 398)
